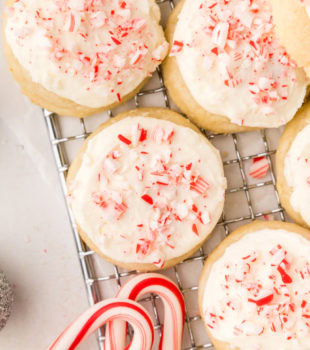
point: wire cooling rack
(246, 199)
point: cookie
(292, 26)
(81, 57)
(227, 70)
(293, 167)
(254, 290)
(146, 189)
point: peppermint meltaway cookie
(292, 25)
(78, 57)
(293, 167)
(254, 290)
(146, 189)
(227, 70)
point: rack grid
(246, 200)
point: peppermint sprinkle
(104, 45)
(148, 199)
(124, 139)
(259, 168)
(173, 190)
(236, 39)
(195, 230)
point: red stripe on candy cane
(172, 298)
(101, 313)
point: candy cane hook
(102, 313)
(174, 309)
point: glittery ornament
(6, 299)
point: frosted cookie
(254, 291)
(226, 69)
(146, 189)
(79, 57)
(293, 167)
(292, 24)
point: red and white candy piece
(176, 47)
(259, 168)
(174, 309)
(103, 312)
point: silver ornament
(6, 299)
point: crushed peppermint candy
(177, 47)
(236, 37)
(146, 179)
(259, 167)
(263, 290)
(268, 217)
(100, 42)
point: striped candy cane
(174, 308)
(259, 168)
(103, 312)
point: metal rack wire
(244, 188)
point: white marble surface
(37, 249)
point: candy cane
(103, 312)
(259, 168)
(174, 308)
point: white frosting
(249, 270)
(178, 219)
(297, 173)
(233, 65)
(91, 52)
